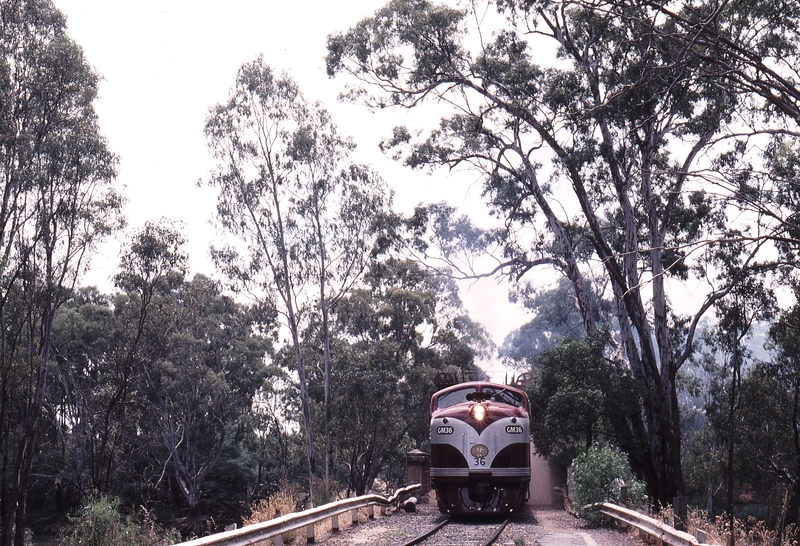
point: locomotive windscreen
(501, 395)
(504, 396)
(454, 397)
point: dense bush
(99, 522)
(598, 474)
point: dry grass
(285, 502)
(278, 504)
(749, 532)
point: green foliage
(158, 378)
(767, 421)
(579, 397)
(153, 259)
(99, 522)
(395, 332)
(598, 474)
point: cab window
(504, 396)
(454, 397)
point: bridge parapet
(663, 533)
(252, 534)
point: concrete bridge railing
(251, 534)
(661, 532)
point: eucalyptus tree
(82, 387)
(152, 267)
(101, 345)
(304, 217)
(154, 376)
(737, 312)
(398, 328)
(768, 418)
(204, 378)
(56, 174)
(617, 161)
(750, 46)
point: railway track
(460, 533)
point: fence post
(354, 516)
(371, 511)
(310, 537)
(277, 540)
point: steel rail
(497, 533)
(426, 534)
(251, 534)
(436, 529)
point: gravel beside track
(532, 527)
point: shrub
(284, 501)
(597, 476)
(99, 522)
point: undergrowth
(100, 522)
(749, 532)
(289, 499)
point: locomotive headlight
(478, 412)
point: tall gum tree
(649, 154)
(303, 216)
(206, 376)
(56, 200)
(399, 327)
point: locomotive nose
(478, 412)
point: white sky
(165, 62)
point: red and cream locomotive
(480, 448)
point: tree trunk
(326, 354)
(326, 338)
(729, 468)
(27, 448)
(305, 403)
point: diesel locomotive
(480, 448)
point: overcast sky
(164, 63)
